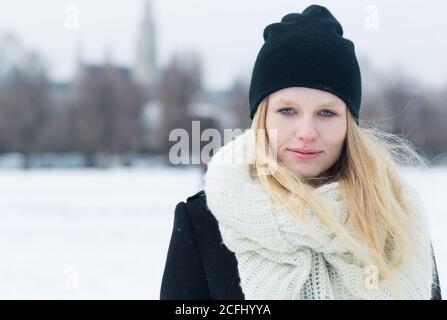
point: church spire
(145, 71)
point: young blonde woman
(305, 204)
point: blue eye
(331, 114)
(286, 108)
(288, 111)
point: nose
(306, 131)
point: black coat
(198, 265)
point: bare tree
(181, 83)
(239, 104)
(25, 105)
(106, 111)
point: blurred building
(145, 71)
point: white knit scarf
(278, 259)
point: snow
(104, 234)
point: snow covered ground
(104, 234)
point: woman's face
(309, 119)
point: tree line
(101, 109)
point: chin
(303, 174)
(306, 175)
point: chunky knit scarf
(278, 259)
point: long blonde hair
(367, 173)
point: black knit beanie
(307, 50)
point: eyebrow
(324, 105)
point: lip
(305, 156)
(305, 150)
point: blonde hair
(370, 185)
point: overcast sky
(228, 33)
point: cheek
(270, 121)
(276, 132)
(334, 138)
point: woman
(305, 204)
